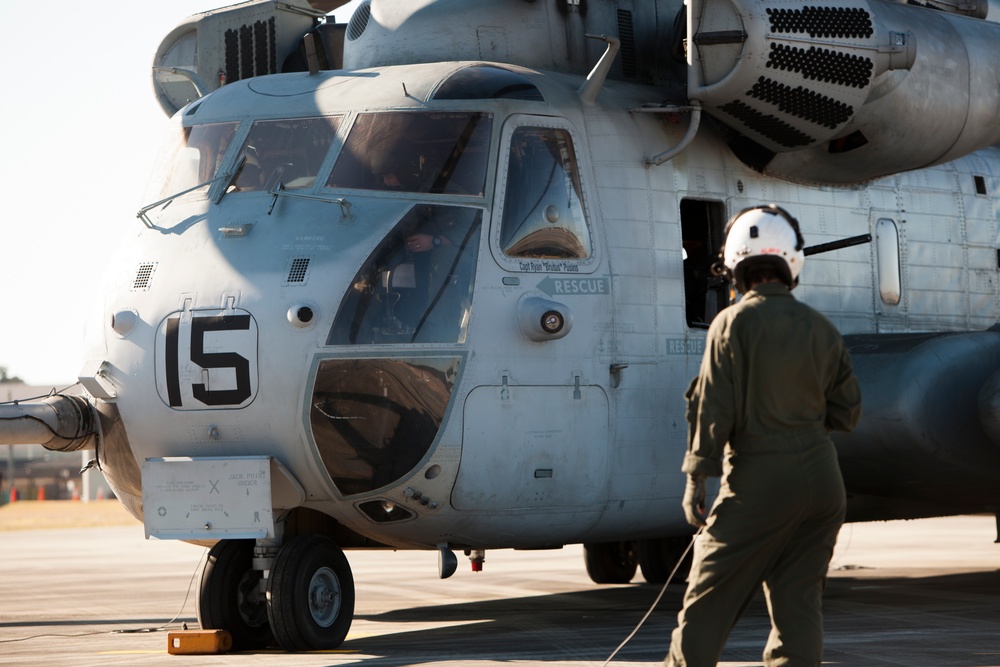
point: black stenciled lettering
(173, 363)
(199, 327)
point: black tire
(658, 557)
(311, 594)
(610, 562)
(229, 596)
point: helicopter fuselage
(524, 386)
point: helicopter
(437, 278)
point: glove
(694, 501)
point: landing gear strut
(230, 596)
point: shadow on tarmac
(584, 625)
(948, 620)
(871, 620)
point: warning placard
(207, 498)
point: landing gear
(658, 557)
(615, 562)
(230, 597)
(311, 594)
(309, 603)
(610, 562)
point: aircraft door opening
(705, 295)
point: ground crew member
(774, 380)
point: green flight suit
(774, 380)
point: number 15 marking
(207, 359)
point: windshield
(287, 151)
(190, 156)
(441, 153)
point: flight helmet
(763, 236)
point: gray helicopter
(437, 278)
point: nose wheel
(309, 601)
(310, 594)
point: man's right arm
(843, 400)
(711, 416)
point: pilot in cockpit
(424, 285)
(416, 287)
(250, 175)
(401, 166)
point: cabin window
(441, 153)
(887, 251)
(543, 214)
(190, 157)
(417, 285)
(980, 185)
(287, 152)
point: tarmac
(918, 593)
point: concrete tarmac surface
(918, 593)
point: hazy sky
(79, 130)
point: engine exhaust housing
(847, 90)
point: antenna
(309, 41)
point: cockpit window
(417, 285)
(485, 82)
(191, 156)
(442, 153)
(373, 420)
(543, 213)
(288, 152)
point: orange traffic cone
(41, 493)
(100, 493)
(76, 495)
(13, 494)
